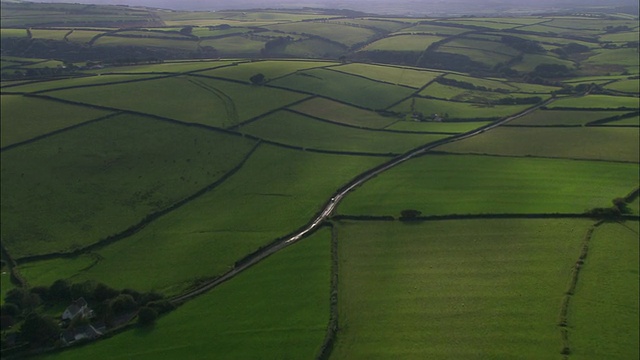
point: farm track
(333, 202)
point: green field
(277, 310)
(10, 33)
(597, 143)
(446, 92)
(186, 45)
(632, 121)
(457, 110)
(486, 57)
(449, 127)
(49, 34)
(24, 118)
(403, 43)
(218, 103)
(380, 24)
(235, 45)
(275, 192)
(83, 36)
(434, 29)
(344, 114)
(270, 69)
(139, 166)
(347, 88)
(563, 117)
(42, 86)
(531, 61)
(347, 35)
(170, 67)
(294, 129)
(608, 277)
(487, 83)
(396, 75)
(628, 86)
(314, 48)
(619, 60)
(473, 184)
(597, 102)
(474, 289)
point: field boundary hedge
(332, 328)
(145, 221)
(532, 157)
(563, 321)
(483, 216)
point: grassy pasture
(589, 23)
(626, 58)
(80, 81)
(294, 129)
(171, 66)
(633, 121)
(275, 192)
(598, 143)
(396, 75)
(314, 48)
(534, 88)
(403, 43)
(24, 118)
(342, 113)
(473, 184)
(474, 289)
(277, 310)
(485, 23)
(451, 127)
(604, 309)
(235, 45)
(9, 33)
(75, 188)
(530, 61)
(270, 69)
(623, 37)
(487, 83)
(204, 32)
(380, 24)
(457, 110)
(186, 45)
(446, 92)
(44, 64)
(49, 34)
(351, 89)
(347, 35)
(563, 117)
(628, 86)
(219, 103)
(83, 36)
(155, 34)
(485, 45)
(434, 29)
(596, 101)
(488, 58)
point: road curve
(316, 222)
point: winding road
(330, 206)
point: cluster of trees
(24, 307)
(466, 85)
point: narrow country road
(337, 197)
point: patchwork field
(155, 150)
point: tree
(39, 330)
(187, 30)
(257, 79)
(123, 303)
(60, 290)
(147, 316)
